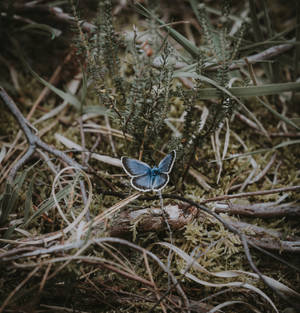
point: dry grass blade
(82, 245)
(56, 308)
(228, 303)
(75, 179)
(2, 153)
(151, 279)
(226, 274)
(102, 158)
(94, 128)
(201, 179)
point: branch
(250, 194)
(263, 210)
(33, 140)
(266, 238)
(152, 220)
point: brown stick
(263, 210)
(266, 238)
(33, 140)
(150, 221)
(147, 220)
(251, 194)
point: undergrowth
(140, 101)
(155, 91)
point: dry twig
(262, 210)
(32, 139)
(250, 194)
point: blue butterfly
(144, 178)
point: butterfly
(144, 178)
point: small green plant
(11, 199)
(140, 102)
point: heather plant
(142, 101)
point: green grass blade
(194, 4)
(28, 200)
(9, 231)
(64, 95)
(243, 92)
(50, 203)
(46, 29)
(249, 91)
(97, 109)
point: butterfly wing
(143, 178)
(134, 167)
(166, 164)
(160, 181)
(142, 183)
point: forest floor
(80, 87)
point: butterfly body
(154, 171)
(144, 178)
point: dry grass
(60, 213)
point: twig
(275, 256)
(182, 216)
(55, 308)
(152, 220)
(95, 145)
(165, 217)
(45, 278)
(236, 231)
(43, 94)
(215, 199)
(251, 194)
(266, 238)
(261, 56)
(32, 139)
(262, 210)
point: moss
(144, 97)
